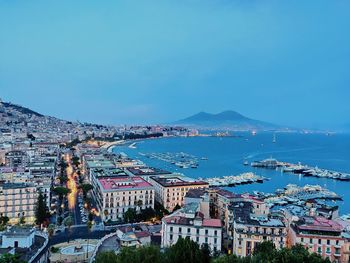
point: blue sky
(115, 62)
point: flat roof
(176, 181)
(124, 183)
(319, 224)
(147, 171)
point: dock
(233, 180)
(301, 169)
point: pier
(233, 180)
(301, 169)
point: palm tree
(68, 222)
(51, 229)
(89, 225)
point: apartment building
(190, 222)
(322, 236)
(114, 196)
(18, 200)
(249, 229)
(16, 159)
(170, 190)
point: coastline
(110, 145)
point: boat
(274, 138)
(246, 163)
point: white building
(18, 200)
(18, 237)
(190, 222)
(170, 190)
(114, 196)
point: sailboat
(274, 138)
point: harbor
(179, 159)
(305, 170)
(233, 180)
(299, 196)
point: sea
(226, 155)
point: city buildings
(18, 201)
(29, 244)
(170, 190)
(322, 236)
(114, 196)
(190, 222)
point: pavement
(76, 232)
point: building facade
(114, 196)
(170, 190)
(18, 200)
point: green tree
(130, 215)
(51, 230)
(41, 211)
(9, 258)
(85, 188)
(107, 257)
(265, 251)
(68, 222)
(61, 192)
(185, 250)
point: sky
(148, 62)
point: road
(77, 232)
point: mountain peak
(228, 119)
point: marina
(298, 195)
(233, 180)
(305, 170)
(179, 159)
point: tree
(51, 230)
(107, 257)
(41, 212)
(265, 251)
(89, 225)
(68, 222)
(185, 250)
(9, 258)
(61, 191)
(85, 188)
(130, 215)
(75, 161)
(4, 220)
(22, 220)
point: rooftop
(318, 224)
(177, 181)
(147, 171)
(123, 183)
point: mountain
(228, 120)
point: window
(180, 230)
(328, 242)
(197, 231)
(215, 240)
(206, 240)
(215, 233)
(206, 231)
(311, 241)
(319, 241)
(171, 237)
(171, 229)
(197, 239)
(188, 230)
